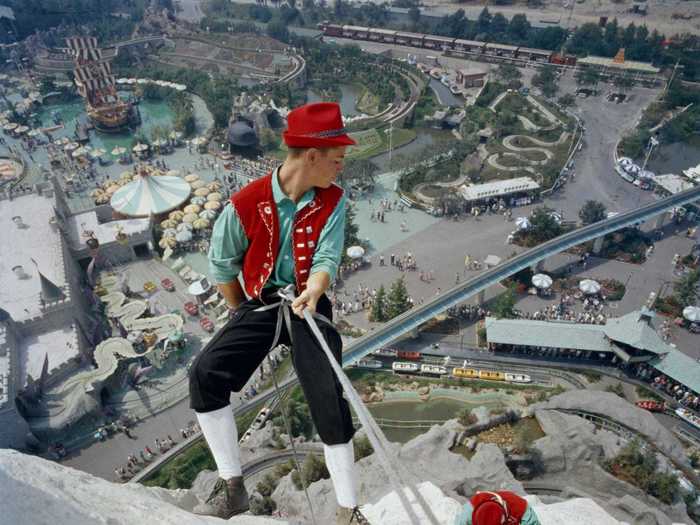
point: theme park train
(444, 43)
(411, 367)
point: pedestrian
(299, 193)
(392, 259)
(381, 260)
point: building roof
(150, 194)
(35, 246)
(497, 188)
(105, 232)
(679, 367)
(633, 330)
(470, 72)
(550, 334)
(629, 65)
(673, 183)
(60, 345)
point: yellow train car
(491, 375)
(468, 373)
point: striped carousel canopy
(150, 194)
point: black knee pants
(227, 362)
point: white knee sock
(219, 429)
(340, 461)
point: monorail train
(444, 43)
(401, 367)
(368, 363)
(490, 375)
(433, 370)
(385, 352)
(688, 416)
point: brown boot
(346, 516)
(228, 498)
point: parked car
(167, 284)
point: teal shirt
(229, 242)
(465, 516)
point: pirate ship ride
(96, 84)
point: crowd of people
(593, 311)
(136, 462)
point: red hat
(489, 513)
(317, 125)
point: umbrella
(212, 205)
(184, 226)
(102, 199)
(199, 200)
(126, 175)
(195, 185)
(522, 223)
(589, 286)
(169, 232)
(216, 196)
(214, 186)
(71, 146)
(203, 192)
(175, 135)
(167, 242)
(80, 152)
(97, 152)
(160, 142)
(33, 132)
(176, 215)
(191, 177)
(112, 188)
(10, 126)
(118, 151)
(190, 217)
(208, 214)
(173, 173)
(184, 236)
(22, 129)
(692, 313)
(541, 280)
(97, 192)
(200, 224)
(139, 148)
(355, 252)
(192, 208)
(198, 141)
(168, 223)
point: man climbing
(286, 228)
(497, 508)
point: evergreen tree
(397, 302)
(351, 232)
(378, 313)
(504, 304)
(592, 211)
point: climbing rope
(393, 468)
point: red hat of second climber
(316, 125)
(489, 513)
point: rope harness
(393, 468)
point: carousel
(149, 193)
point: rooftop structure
(627, 65)
(150, 194)
(498, 188)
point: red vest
(256, 209)
(516, 505)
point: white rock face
(40, 492)
(389, 510)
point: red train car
(565, 60)
(408, 354)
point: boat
(651, 405)
(401, 367)
(93, 77)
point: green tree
(686, 288)
(508, 73)
(379, 307)
(312, 470)
(397, 302)
(466, 418)
(278, 31)
(592, 211)
(504, 304)
(543, 226)
(299, 419)
(623, 82)
(267, 485)
(546, 80)
(351, 232)
(264, 506)
(268, 140)
(567, 100)
(588, 77)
